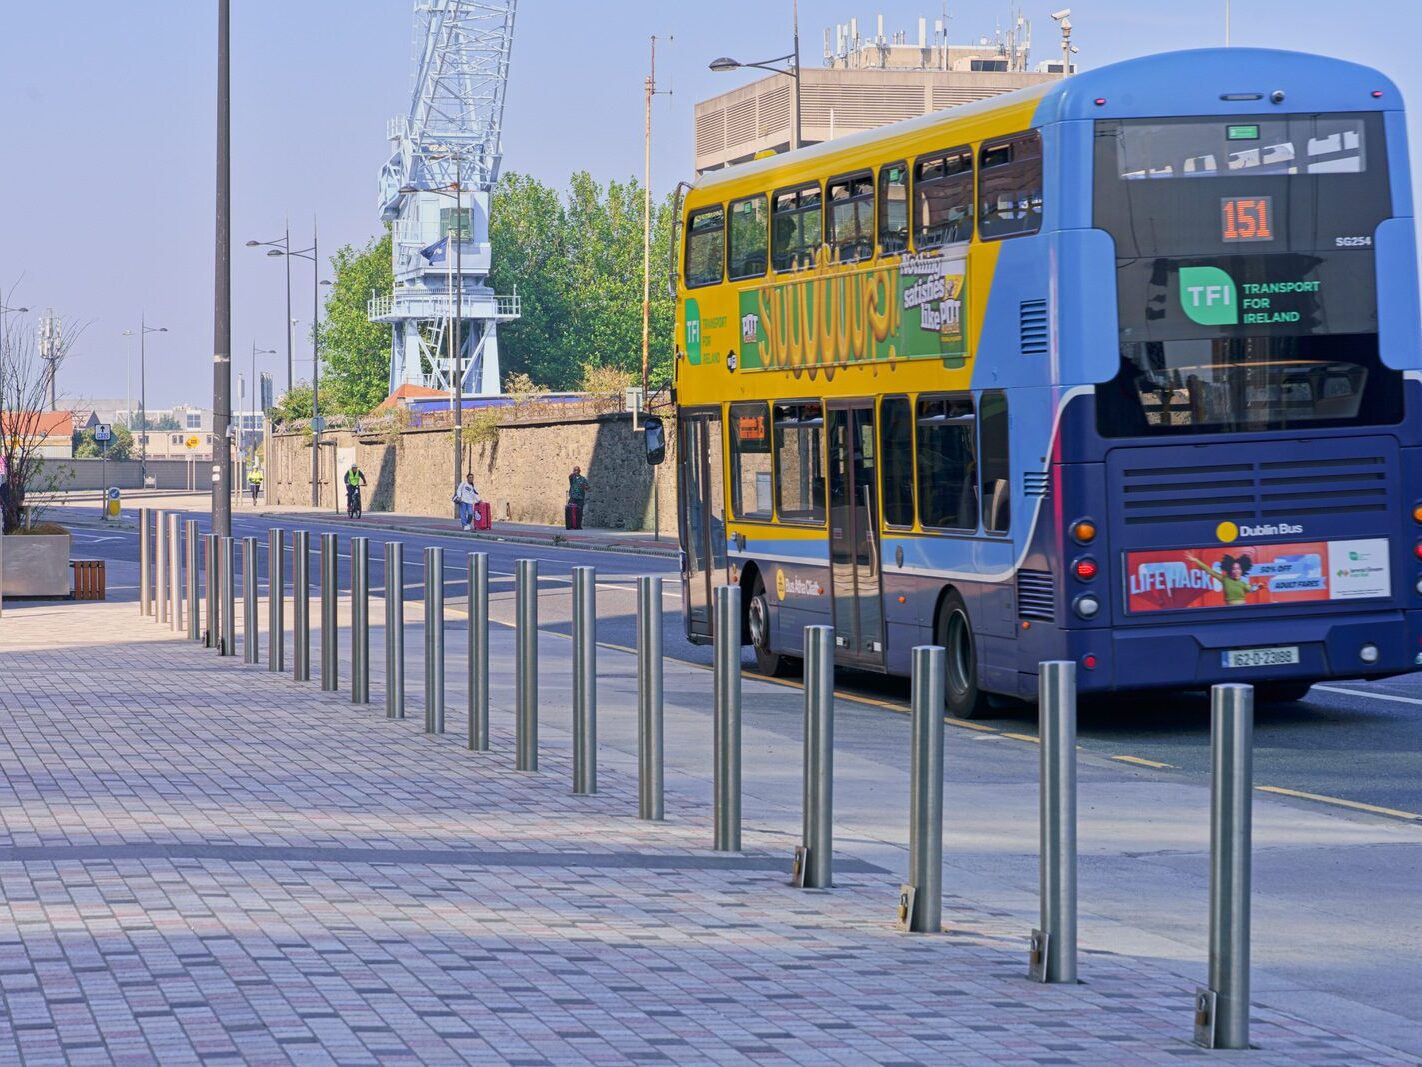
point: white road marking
(1366, 693)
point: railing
(419, 304)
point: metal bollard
(584, 680)
(726, 733)
(175, 572)
(227, 585)
(330, 609)
(921, 899)
(194, 610)
(1222, 1009)
(1053, 957)
(145, 560)
(434, 640)
(160, 567)
(526, 657)
(210, 635)
(478, 680)
(250, 578)
(360, 620)
(394, 630)
(301, 605)
(814, 859)
(649, 699)
(276, 600)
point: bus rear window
(1215, 148)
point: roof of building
(40, 423)
(408, 392)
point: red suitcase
(573, 517)
(483, 516)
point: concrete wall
(523, 474)
(94, 474)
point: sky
(107, 117)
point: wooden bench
(88, 579)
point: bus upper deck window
(795, 228)
(746, 238)
(943, 198)
(893, 209)
(1010, 187)
(705, 246)
(851, 217)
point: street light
(726, 63)
(283, 248)
(456, 341)
(143, 331)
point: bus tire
(954, 631)
(1281, 692)
(774, 664)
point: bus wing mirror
(655, 439)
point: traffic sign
(103, 432)
(191, 442)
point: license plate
(1260, 657)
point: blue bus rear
(1233, 489)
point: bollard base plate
(1204, 1017)
(1037, 957)
(797, 866)
(904, 918)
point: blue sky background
(107, 121)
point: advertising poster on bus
(1251, 575)
(829, 316)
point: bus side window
(746, 238)
(750, 461)
(893, 209)
(705, 246)
(799, 468)
(1010, 188)
(795, 228)
(943, 198)
(851, 217)
(997, 480)
(896, 459)
(947, 463)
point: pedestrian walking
(465, 497)
(254, 482)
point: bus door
(853, 533)
(703, 516)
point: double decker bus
(1122, 370)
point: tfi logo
(693, 332)
(1207, 295)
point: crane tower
(435, 191)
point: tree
(355, 352)
(527, 232)
(292, 405)
(120, 447)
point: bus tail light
(1083, 531)
(1417, 549)
(1417, 513)
(1089, 661)
(1086, 606)
(1085, 569)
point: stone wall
(523, 474)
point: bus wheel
(955, 633)
(774, 664)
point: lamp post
(143, 331)
(283, 248)
(725, 63)
(455, 190)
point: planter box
(34, 565)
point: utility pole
(651, 86)
(316, 371)
(458, 319)
(222, 295)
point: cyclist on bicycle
(355, 478)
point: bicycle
(353, 503)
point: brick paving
(205, 862)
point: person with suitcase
(578, 487)
(465, 498)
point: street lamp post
(283, 248)
(456, 190)
(725, 63)
(143, 331)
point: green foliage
(120, 446)
(482, 426)
(576, 263)
(141, 421)
(294, 405)
(355, 352)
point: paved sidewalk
(204, 861)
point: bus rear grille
(1036, 483)
(1032, 327)
(1036, 596)
(1278, 489)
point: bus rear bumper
(1375, 644)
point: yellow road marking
(966, 725)
(1356, 805)
(1143, 761)
(1022, 737)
